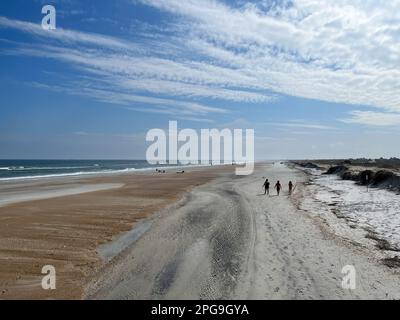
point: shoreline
(17, 190)
(104, 173)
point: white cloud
(139, 103)
(139, 69)
(66, 36)
(373, 118)
(336, 51)
(302, 125)
(339, 51)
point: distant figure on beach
(290, 187)
(278, 187)
(266, 187)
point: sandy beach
(229, 241)
(64, 222)
(205, 234)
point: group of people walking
(278, 187)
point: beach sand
(63, 222)
(227, 240)
(205, 234)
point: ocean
(35, 169)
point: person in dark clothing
(278, 187)
(290, 187)
(266, 187)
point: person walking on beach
(266, 187)
(278, 187)
(290, 188)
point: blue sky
(315, 79)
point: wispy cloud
(336, 51)
(295, 124)
(373, 118)
(107, 62)
(66, 36)
(137, 102)
(341, 51)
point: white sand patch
(376, 211)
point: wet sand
(66, 228)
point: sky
(313, 78)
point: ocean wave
(5, 168)
(99, 172)
(72, 174)
(47, 168)
(16, 168)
